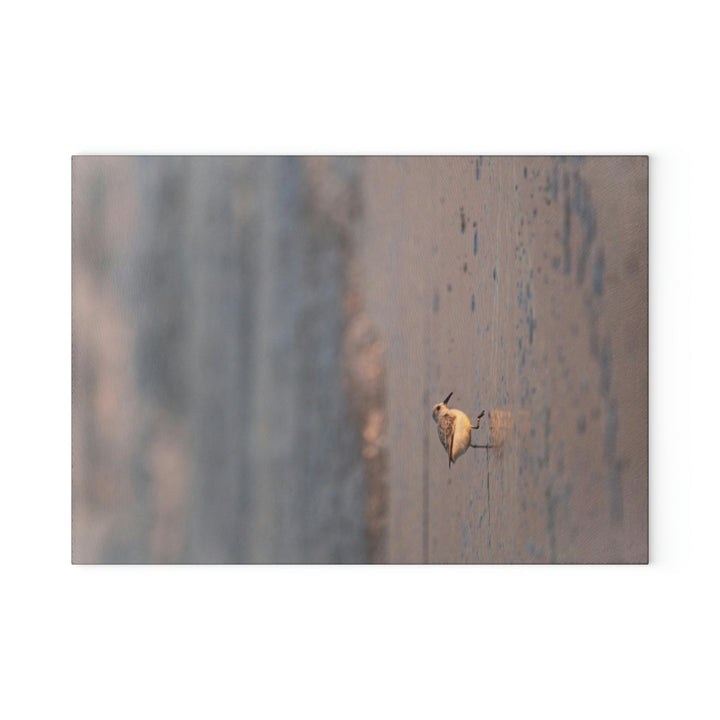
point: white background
(377, 77)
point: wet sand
(521, 285)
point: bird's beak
(446, 399)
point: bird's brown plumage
(446, 431)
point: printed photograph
(359, 360)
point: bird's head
(439, 407)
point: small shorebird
(454, 429)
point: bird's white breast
(461, 439)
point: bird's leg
(476, 427)
(477, 422)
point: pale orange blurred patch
(502, 423)
(168, 465)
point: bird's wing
(446, 431)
